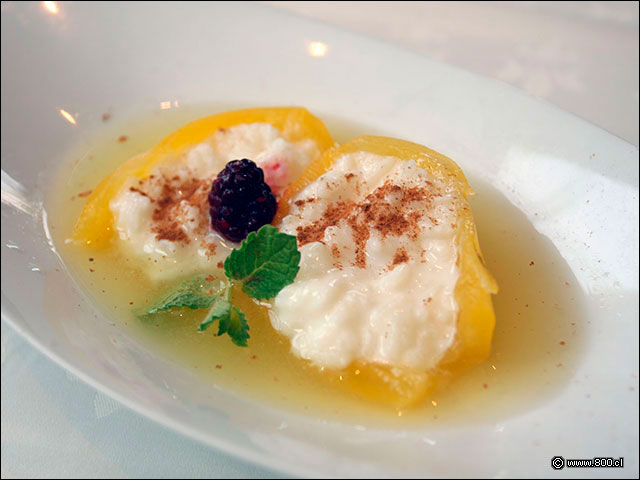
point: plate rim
(256, 457)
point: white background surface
(582, 57)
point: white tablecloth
(582, 57)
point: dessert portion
(379, 265)
(391, 277)
(364, 255)
(156, 206)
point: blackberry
(240, 201)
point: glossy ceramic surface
(576, 185)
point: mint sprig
(195, 294)
(230, 320)
(266, 262)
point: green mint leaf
(230, 319)
(220, 309)
(195, 294)
(235, 324)
(266, 262)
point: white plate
(575, 184)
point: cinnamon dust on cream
(392, 210)
(171, 197)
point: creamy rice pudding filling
(379, 266)
(163, 219)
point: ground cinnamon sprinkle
(332, 215)
(175, 196)
(392, 223)
(361, 234)
(390, 210)
(171, 232)
(137, 190)
(210, 248)
(401, 256)
(301, 203)
(335, 252)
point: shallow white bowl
(86, 58)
